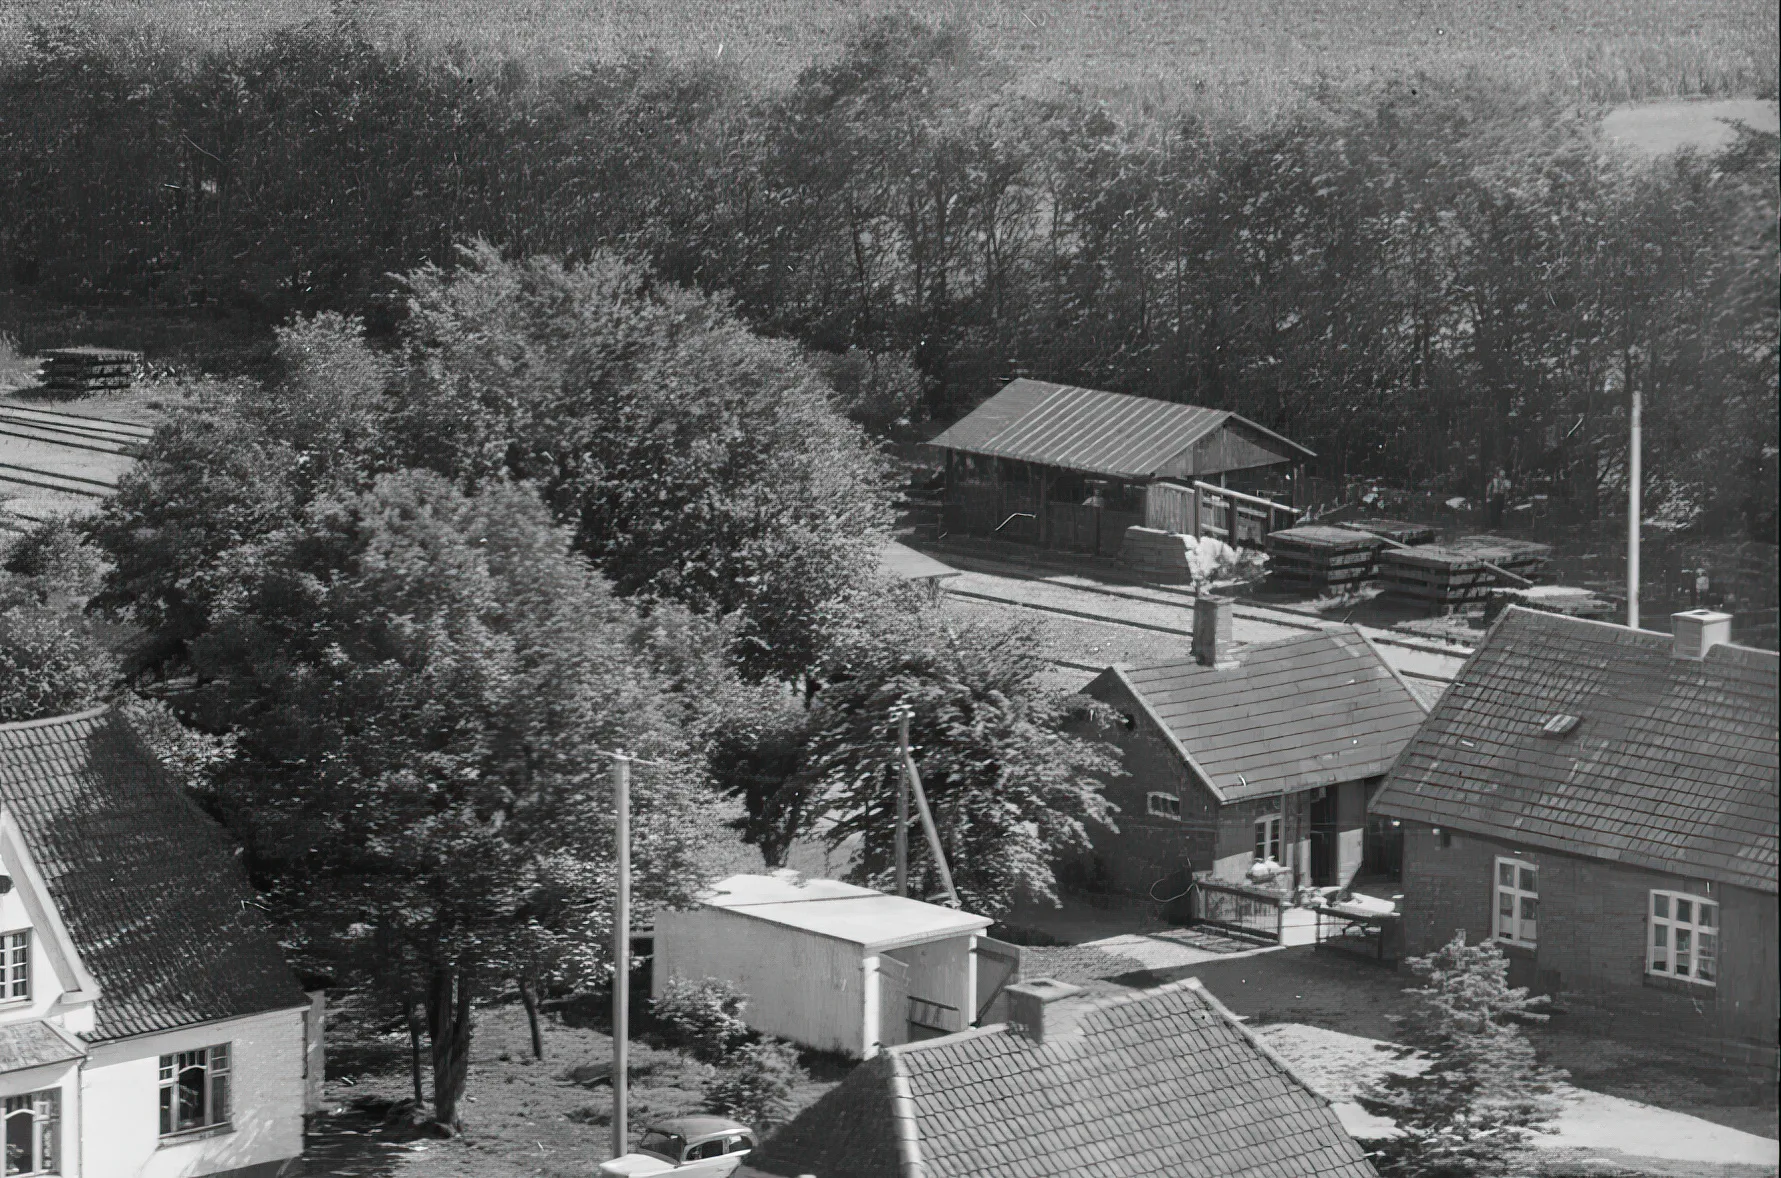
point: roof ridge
(905, 1120)
(46, 721)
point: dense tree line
(1425, 281)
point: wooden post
(1634, 476)
(1194, 505)
(902, 838)
(621, 956)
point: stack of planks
(1442, 578)
(1524, 558)
(1157, 555)
(89, 370)
(1393, 529)
(1322, 559)
(1552, 599)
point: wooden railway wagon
(1322, 559)
(1393, 529)
(1443, 578)
(1524, 558)
(89, 370)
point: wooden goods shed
(827, 964)
(1072, 468)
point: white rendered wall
(120, 1097)
(800, 986)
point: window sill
(1675, 985)
(1526, 947)
(189, 1135)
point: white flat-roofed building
(828, 964)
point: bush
(756, 1085)
(703, 1017)
(875, 390)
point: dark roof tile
(1673, 766)
(148, 886)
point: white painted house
(149, 1026)
(827, 964)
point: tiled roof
(35, 1043)
(1671, 766)
(148, 886)
(1092, 431)
(1161, 1082)
(1310, 710)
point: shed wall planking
(800, 986)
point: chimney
(1212, 632)
(1036, 1008)
(1699, 630)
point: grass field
(1247, 57)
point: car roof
(691, 1127)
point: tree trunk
(528, 998)
(411, 1017)
(448, 1018)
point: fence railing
(1361, 934)
(1249, 911)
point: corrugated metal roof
(1088, 430)
(1310, 710)
(1673, 765)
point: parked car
(686, 1147)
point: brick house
(1602, 802)
(1242, 753)
(148, 1023)
(1162, 1081)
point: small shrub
(876, 390)
(53, 558)
(704, 1017)
(756, 1085)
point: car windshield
(668, 1145)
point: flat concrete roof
(900, 560)
(841, 911)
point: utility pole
(1633, 478)
(902, 839)
(621, 956)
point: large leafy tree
(1013, 773)
(420, 681)
(695, 462)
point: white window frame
(1269, 829)
(216, 1063)
(44, 1108)
(1670, 938)
(1162, 804)
(15, 966)
(1518, 895)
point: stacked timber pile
(1322, 559)
(1442, 578)
(88, 370)
(1552, 599)
(1524, 558)
(1393, 529)
(1158, 555)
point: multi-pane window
(1163, 805)
(194, 1089)
(1684, 940)
(15, 966)
(33, 1127)
(1518, 901)
(1267, 838)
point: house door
(893, 1001)
(1323, 840)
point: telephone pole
(621, 956)
(1633, 478)
(902, 839)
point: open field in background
(1248, 58)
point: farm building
(1600, 801)
(827, 964)
(1073, 468)
(150, 1024)
(1267, 751)
(1076, 1082)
